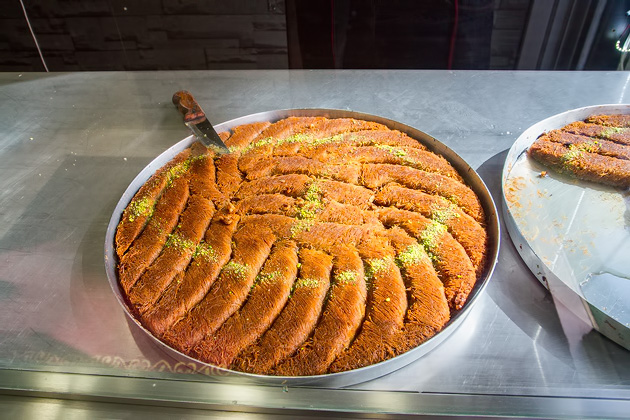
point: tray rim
(345, 378)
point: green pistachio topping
(308, 211)
(267, 277)
(204, 250)
(258, 143)
(156, 223)
(609, 131)
(239, 270)
(326, 140)
(178, 170)
(443, 214)
(573, 153)
(142, 207)
(302, 138)
(307, 282)
(176, 240)
(392, 150)
(430, 236)
(377, 265)
(295, 138)
(589, 146)
(412, 255)
(313, 193)
(313, 203)
(301, 225)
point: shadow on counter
(529, 304)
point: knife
(196, 120)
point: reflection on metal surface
(610, 293)
(165, 394)
(539, 364)
(147, 365)
(341, 378)
(623, 90)
(560, 251)
(567, 230)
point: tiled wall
(179, 34)
(510, 19)
(144, 34)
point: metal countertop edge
(273, 399)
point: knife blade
(196, 120)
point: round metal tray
(335, 379)
(573, 235)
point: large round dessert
(316, 246)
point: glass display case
(72, 143)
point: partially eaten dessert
(596, 150)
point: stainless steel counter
(71, 143)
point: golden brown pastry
(596, 150)
(317, 246)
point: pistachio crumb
(612, 130)
(307, 282)
(206, 251)
(392, 150)
(573, 153)
(240, 270)
(413, 254)
(142, 207)
(443, 214)
(178, 241)
(347, 277)
(377, 265)
(301, 225)
(267, 277)
(431, 235)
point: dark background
(77, 35)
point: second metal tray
(573, 235)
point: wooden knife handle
(188, 107)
